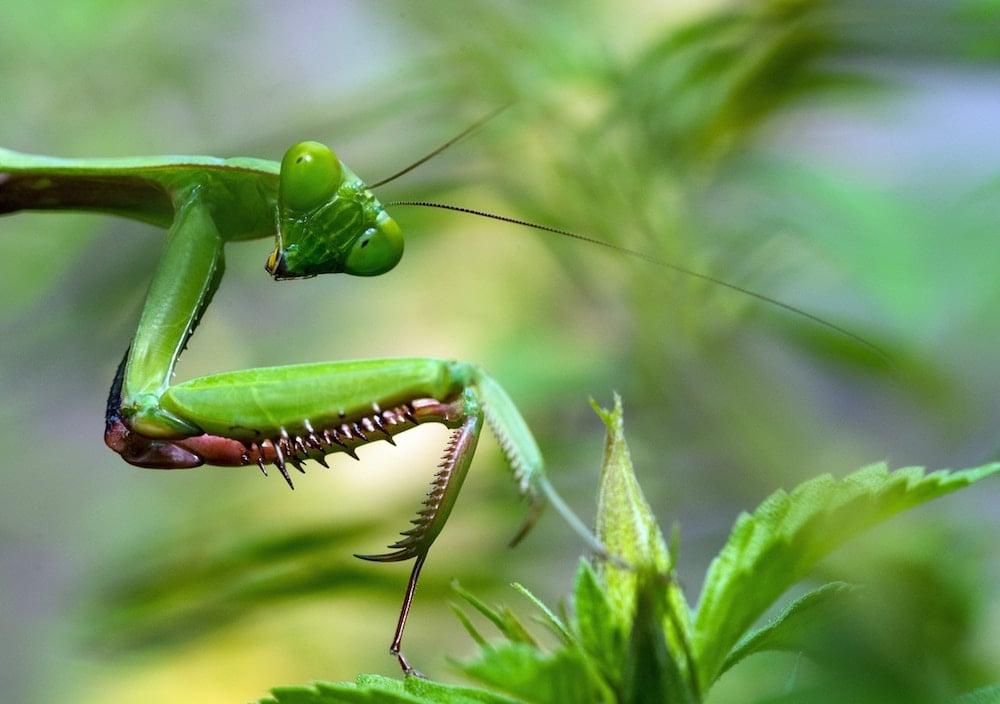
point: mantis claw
(440, 499)
(332, 437)
(279, 461)
(380, 426)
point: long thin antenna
(424, 159)
(868, 344)
(795, 310)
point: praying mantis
(324, 219)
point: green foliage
(173, 598)
(383, 690)
(789, 533)
(847, 176)
(633, 638)
(986, 695)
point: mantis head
(328, 220)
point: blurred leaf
(183, 596)
(723, 75)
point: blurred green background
(841, 156)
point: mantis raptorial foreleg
(334, 412)
(324, 220)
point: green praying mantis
(324, 220)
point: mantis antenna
(648, 258)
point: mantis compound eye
(377, 250)
(310, 175)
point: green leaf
(367, 688)
(788, 534)
(986, 695)
(383, 690)
(526, 672)
(629, 641)
(523, 669)
(790, 631)
(429, 691)
(555, 624)
(652, 672)
(502, 617)
(601, 635)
